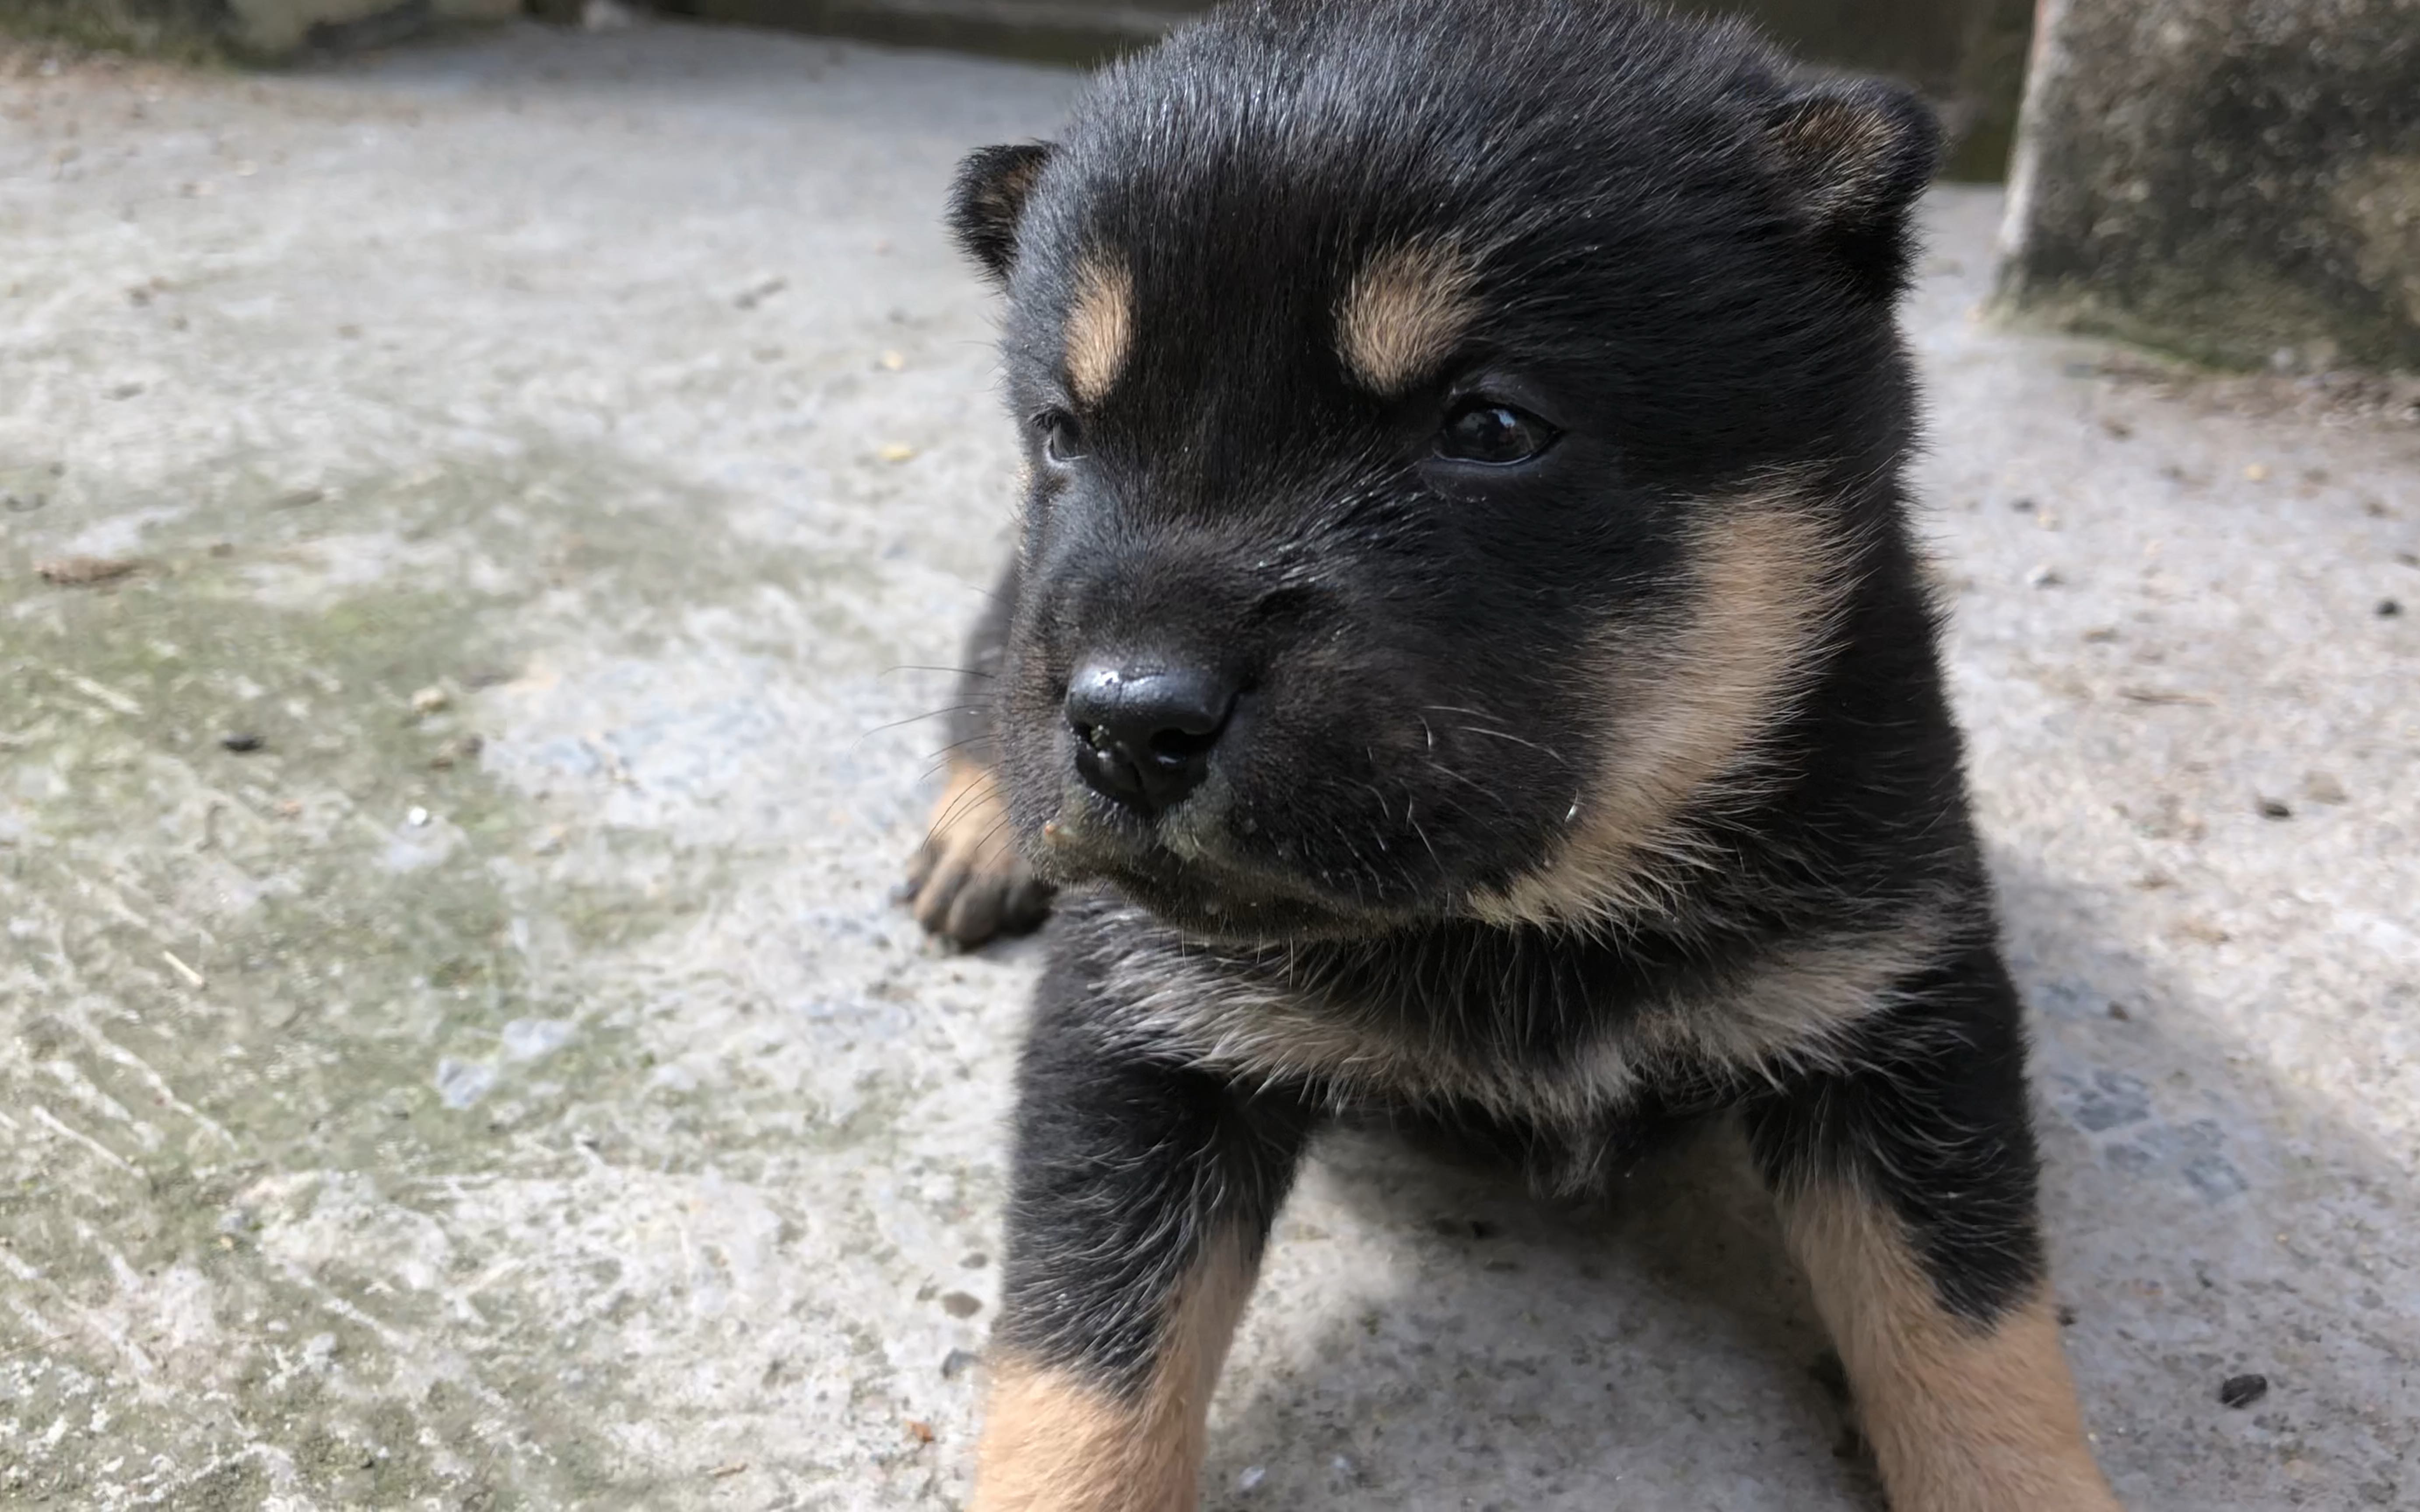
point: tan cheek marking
(1053, 1441)
(1686, 712)
(1962, 1419)
(1403, 315)
(1101, 328)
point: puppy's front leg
(1907, 1193)
(1142, 1194)
(967, 881)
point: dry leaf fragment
(83, 572)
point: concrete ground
(511, 1084)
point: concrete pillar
(2234, 180)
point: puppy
(1465, 664)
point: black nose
(1143, 732)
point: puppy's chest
(1523, 1037)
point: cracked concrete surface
(511, 1083)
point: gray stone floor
(571, 1119)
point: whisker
(940, 760)
(1500, 735)
(915, 718)
(948, 816)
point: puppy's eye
(1485, 430)
(1062, 439)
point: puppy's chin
(1183, 869)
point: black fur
(987, 199)
(1685, 258)
(1126, 1166)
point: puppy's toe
(967, 881)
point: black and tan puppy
(1465, 663)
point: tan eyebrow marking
(1403, 314)
(1100, 327)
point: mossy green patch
(283, 940)
(178, 31)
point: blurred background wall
(2234, 181)
(1967, 56)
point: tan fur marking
(1403, 315)
(1960, 1420)
(1686, 712)
(969, 847)
(1101, 328)
(1055, 1442)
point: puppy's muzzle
(1144, 730)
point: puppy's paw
(967, 881)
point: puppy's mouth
(1187, 865)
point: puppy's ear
(1856, 155)
(988, 198)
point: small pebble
(1250, 1476)
(430, 700)
(747, 299)
(2044, 575)
(243, 743)
(919, 1430)
(2389, 608)
(896, 451)
(2243, 1391)
(461, 749)
(958, 1304)
(2118, 1011)
(2275, 809)
(418, 818)
(2322, 787)
(957, 1363)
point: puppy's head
(1436, 414)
